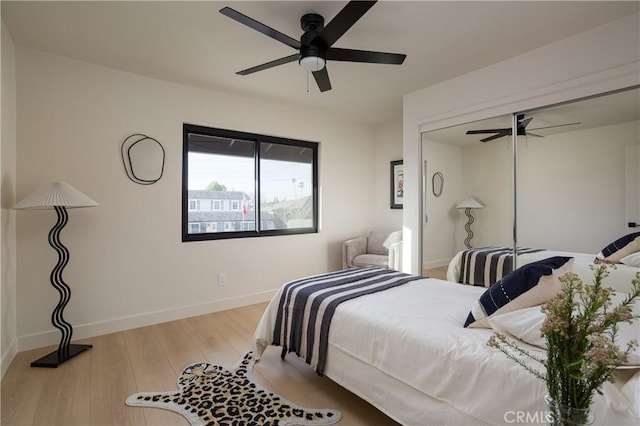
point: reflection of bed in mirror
(484, 266)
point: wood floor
(440, 272)
(91, 388)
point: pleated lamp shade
(55, 194)
(469, 203)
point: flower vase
(563, 415)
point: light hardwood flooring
(91, 388)
(440, 272)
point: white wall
(602, 59)
(440, 233)
(571, 189)
(632, 184)
(128, 266)
(7, 216)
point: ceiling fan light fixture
(312, 63)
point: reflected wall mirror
(437, 183)
(570, 184)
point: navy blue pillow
(518, 283)
(621, 247)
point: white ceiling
(190, 42)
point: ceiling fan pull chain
(308, 81)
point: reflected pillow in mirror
(530, 285)
(620, 248)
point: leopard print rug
(214, 396)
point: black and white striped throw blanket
(307, 305)
(486, 265)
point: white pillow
(626, 331)
(393, 238)
(632, 260)
(525, 324)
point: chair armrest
(395, 256)
(352, 248)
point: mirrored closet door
(571, 183)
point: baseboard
(7, 356)
(435, 263)
(84, 331)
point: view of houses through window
(239, 185)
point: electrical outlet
(222, 278)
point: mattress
(619, 277)
(406, 352)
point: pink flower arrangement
(580, 330)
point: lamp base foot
(55, 358)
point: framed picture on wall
(397, 184)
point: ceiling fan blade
(558, 125)
(260, 27)
(271, 64)
(350, 55)
(322, 79)
(534, 135)
(479, 132)
(344, 20)
(498, 136)
(522, 124)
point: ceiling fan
(522, 129)
(315, 46)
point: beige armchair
(381, 249)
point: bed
(405, 351)
(462, 270)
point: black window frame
(257, 139)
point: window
(256, 185)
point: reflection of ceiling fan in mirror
(522, 129)
(315, 47)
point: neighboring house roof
(225, 216)
(304, 203)
(205, 194)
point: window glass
(225, 172)
(220, 173)
(286, 182)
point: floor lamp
(59, 196)
(467, 205)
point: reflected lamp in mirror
(437, 183)
(59, 196)
(143, 158)
(467, 205)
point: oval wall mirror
(143, 159)
(437, 183)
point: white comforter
(412, 335)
